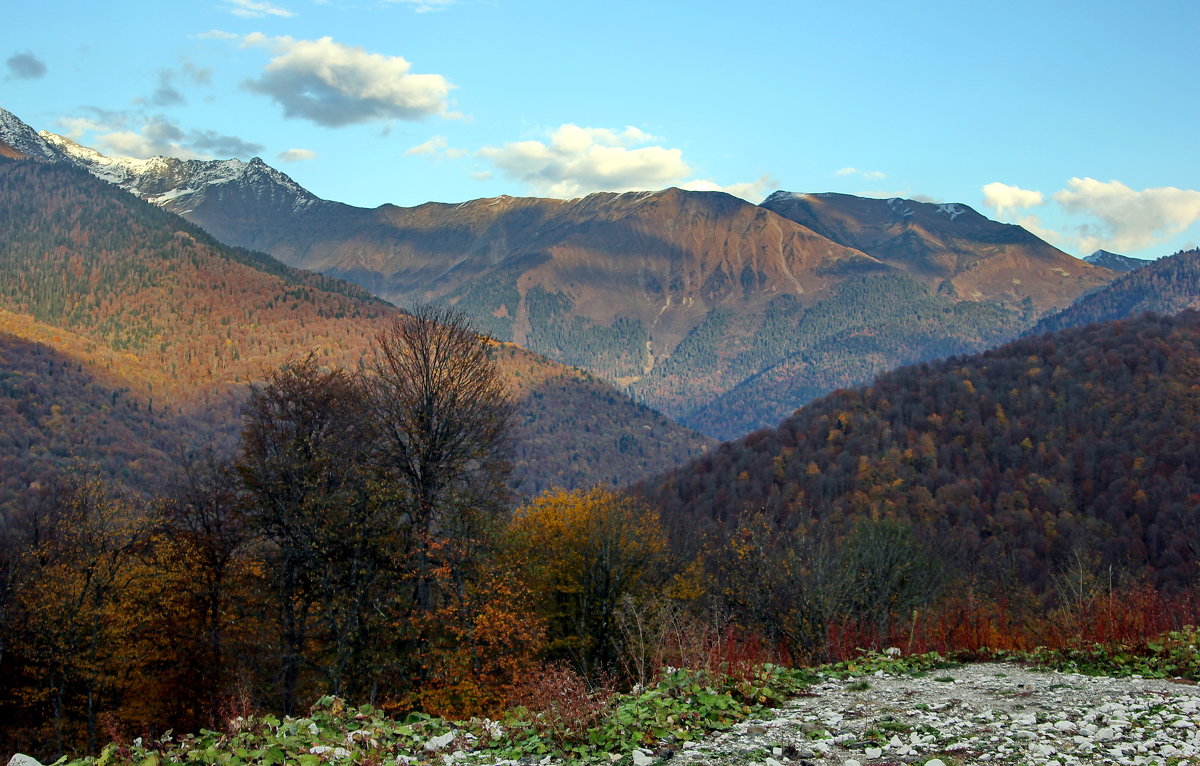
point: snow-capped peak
(25, 139)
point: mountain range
(722, 314)
(128, 336)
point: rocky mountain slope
(688, 300)
(948, 247)
(121, 318)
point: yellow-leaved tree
(584, 551)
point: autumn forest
(228, 486)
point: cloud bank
(334, 85)
(1119, 218)
(1128, 219)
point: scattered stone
(440, 741)
(641, 758)
(20, 759)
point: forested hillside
(872, 324)
(151, 314)
(1014, 460)
(1166, 286)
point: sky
(1078, 120)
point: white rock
(440, 741)
(1065, 725)
(935, 762)
(851, 762)
(772, 762)
(20, 759)
(640, 758)
(873, 752)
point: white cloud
(576, 161)
(158, 138)
(429, 148)
(871, 175)
(297, 155)
(334, 85)
(1129, 220)
(751, 191)
(254, 9)
(217, 34)
(1004, 198)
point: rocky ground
(979, 713)
(987, 713)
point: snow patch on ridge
(951, 209)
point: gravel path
(979, 713)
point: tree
(443, 412)
(304, 456)
(203, 554)
(583, 552)
(444, 422)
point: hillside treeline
(1008, 464)
(1166, 286)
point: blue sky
(1080, 120)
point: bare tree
(444, 415)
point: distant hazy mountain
(128, 334)
(1115, 261)
(720, 313)
(1165, 286)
